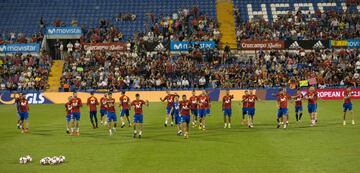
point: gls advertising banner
(63, 32)
(20, 48)
(7, 97)
(184, 45)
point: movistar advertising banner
(63, 32)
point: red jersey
(92, 102)
(298, 99)
(103, 101)
(138, 104)
(245, 100)
(68, 108)
(124, 102)
(110, 105)
(283, 100)
(312, 97)
(347, 97)
(170, 99)
(227, 101)
(203, 102)
(76, 104)
(251, 101)
(185, 108)
(193, 101)
(24, 105)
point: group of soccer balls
(26, 159)
(44, 161)
(52, 160)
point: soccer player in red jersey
(282, 104)
(226, 108)
(312, 97)
(245, 103)
(112, 119)
(103, 110)
(203, 101)
(68, 108)
(170, 99)
(124, 104)
(138, 117)
(76, 103)
(194, 108)
(92, 102)
(185, 106)
(252, 98)
(298, 97)
(348, 105)
(24, 114)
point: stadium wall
(7, 97)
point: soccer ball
(28, 158)
(43, 161)
(52, 161)
(22, 160)
(56, 159)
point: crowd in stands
(301, 26)
(24, 72)
(13, 37)
(114, 70)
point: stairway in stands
(224, 11)
(55, 74)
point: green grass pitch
(329, 147)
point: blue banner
(185, 45)
(271, 93)
(63, 32)
(20, 48)
(354, 43)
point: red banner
(337, 93)
(261, 44)
(116, 46)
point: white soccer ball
(62, 157)
(43, 161)
(22, 160)
(53, 162)
(28, 158)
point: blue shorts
(103, 112)
(138, 118)
(92, 114)
(168, 110)
(312, 108)
(227, 112)
(347, 106)
(202, 113)
(244, 111)
(124, 112)
(75, 116)
(194, 112)
(112, 116)
(24, 116)
(208, 111)
(185, 119)
(298, 109)
(177, 119)
(282, 112)
(68, 118)
(251, 111)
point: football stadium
(203, 86)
